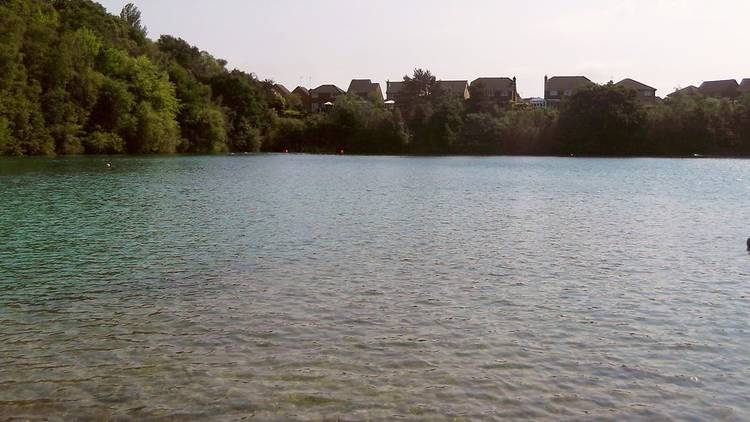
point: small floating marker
(286, 151)
(109, 164)
(341, 152)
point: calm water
(322, 287)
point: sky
(662, 43)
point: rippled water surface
(285, 287)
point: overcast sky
(662, 43)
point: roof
(745, 85)
(633, 84)
(394, 87)
(456, 87)
(688, 90)
(566, 83)
(494, 83)
(718, 87)
(301, 90)
(327, 89)
(362, 86)
(281, 89)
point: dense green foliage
(75, 79)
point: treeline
(75, 79)
(604, 120)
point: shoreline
(243, 154)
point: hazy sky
(663, 43)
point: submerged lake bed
(277, 287)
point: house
(558, 87)
(304, 96)
(727, 88)
(281, 91)
(458, 89)
(366, 89)
(745, 86)
(393, 91)
(646, 93)
(688, 90)
(324, 94)
(502, 90)
(535, 102)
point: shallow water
(279, 287)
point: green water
(277, 287)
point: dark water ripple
(361, 288)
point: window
(647, 93)
(553, 93)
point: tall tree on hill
(132, 16)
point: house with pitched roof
(393, 91)
(558, 87)
(281, 90)
(366, 89)
(458, 89)
(745, 86)
(688, 90)
(726, 88)
(324, 95)
(501, 90)
(304, 96)
(646, 93)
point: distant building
(366, 89)
(281, 90)
(688, 90)
(745, 86)
(304, 95)
(727, 88)
(535, 102)
(393, 91)
(322, 95)
(458, 89)
(501, 90)
(558, 87)
(646, 93)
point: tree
(603, 120)
(132, 16)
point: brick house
(458, 89)
(366, 89)
(646, 94)
(727, 88)
(500, 90)
(558, 87)
(323, 94)
(688, 90)
(393, 91)
(304, 95)
(745, 86)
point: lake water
(277, 287)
